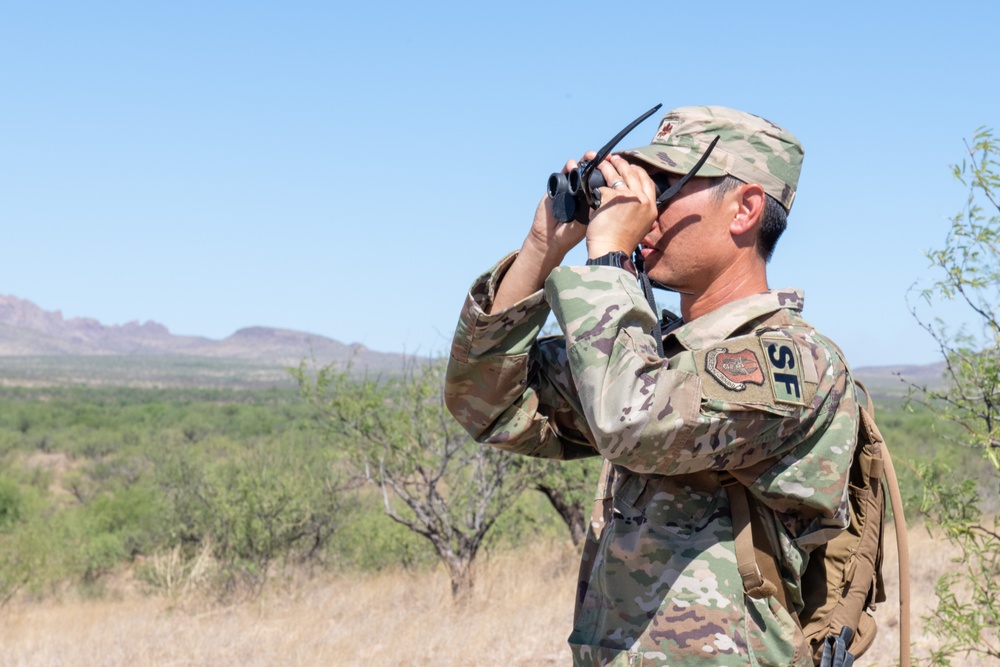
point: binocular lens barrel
(597, 180)
(557, 183)
(575, 181)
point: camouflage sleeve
(660, 416)
(505, 387)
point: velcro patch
(784, 368)
(734, 370)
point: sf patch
(738, 373)
(764, 370)
(784, 368)
(734, 370)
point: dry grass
(520, 615)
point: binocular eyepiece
(570, 199)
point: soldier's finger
(627, 173)
(643, 182)
(612, 177)
(573, 164)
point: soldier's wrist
(616, 259)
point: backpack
(843, 580)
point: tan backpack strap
(903, 549)
(868, 398)
(755, 561)
(899, 521)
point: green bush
(919, 441)
(26, 560)
(244, 476)
(370, 541)
(11, 504)
(256, 502)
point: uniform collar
(722, 322)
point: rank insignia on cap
(734, 370)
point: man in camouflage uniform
(747, 391)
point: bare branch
(433, 478)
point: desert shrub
(529, 520)
(918, 438)
(370, 541)
(257, 503)
(11, 504)
(26, 560)
(966, 271)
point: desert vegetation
(239, 525)
(518, 614)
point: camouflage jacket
(750, 390)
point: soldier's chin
(666, 282)
(654, 269)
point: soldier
(746, 391)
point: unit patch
(785, 369)
(767, 370)
(734, 370)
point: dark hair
(772, 222)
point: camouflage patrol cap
(750, 148)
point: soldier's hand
(543, 249)
(627, 210)
(550, 237)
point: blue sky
(348, 170)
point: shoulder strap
(899, 521)
(755, 560)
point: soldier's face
(689, 242)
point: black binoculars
(574, 192)
(569, 196)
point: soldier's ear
(750, 200)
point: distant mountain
(893, 380)
(41, 347)
(29, 331)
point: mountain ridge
(37, 341)
(27, 330)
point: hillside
(887, 381)
(42, 347)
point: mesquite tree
(433, 478)
(967, 617)
(569, 487)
